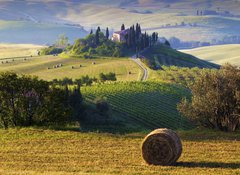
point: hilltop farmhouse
(120, 36)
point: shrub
(51, 50)
(215, 100)
(27, 101)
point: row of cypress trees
(134, 39)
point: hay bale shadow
(208, 165)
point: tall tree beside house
(99, 29)
(145, 40)
(129, 41)
(107, 33)
(142, 42)
(138, 31)
(97, 37)
(122, 27)
(154, 37)
(133, 35)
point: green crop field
(218, 54)
(150, 103)
(41, 151)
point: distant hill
(218, 54)
(161, 54)
(220, 18)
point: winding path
(143, 67)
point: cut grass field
(218, 54)
(16, 50)
(39, 66)
(40, 151)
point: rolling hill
(162, 55)
(165, 17)
(218, 54)
(43, 67)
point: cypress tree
(133, 36)
(107, 33)
(122, 27)
(97, 37)
(153, 38)
(129, 42)
(99, 29)
(91, 32)
(139, 29)
(142, 42)
(137, 32)
(145, 40)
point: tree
(97, 37)
(107, 33)
(167, 43)
(75, 101)
(122, 27)
(215, 100)
(103, 107)
(91, 32)
(62, 41)
(102, 77)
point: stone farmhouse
(120, 36)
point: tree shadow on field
(208, 165)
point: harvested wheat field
(38, 151)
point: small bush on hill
(215, 101)
(51, 50)
(107, 77)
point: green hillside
(218, 54)
(151, 104)
(161, 54)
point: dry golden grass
(37, 151)
(39, 66)
(220, 54)
(18, 50)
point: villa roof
(122, 32)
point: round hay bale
(161, 147)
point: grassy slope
(37, 151)
(151, 104)
(39, 66)
(16, 50)
(164, 55)
(218, 54)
